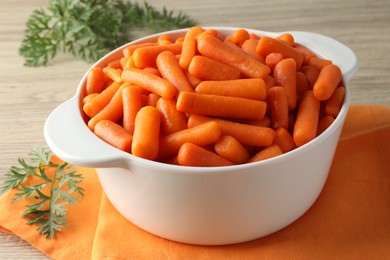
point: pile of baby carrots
(211, 100)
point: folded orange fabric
(350, 219)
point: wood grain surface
(28, 95)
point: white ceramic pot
(200, 205)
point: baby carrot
(171, 119)
(194, 81)
(244, 88)
(335, 102)
(249, 46)
(170, 70)
(209, 69)
(129, 63)
(146, 133)
(164, 39)
(327, 81)
(305, 128)
(113, 111)
(128, 51)
(324, 123)
(115, 64)
(152, 70)
(285, 76)
(272, 59)
(229, 148)
(149, 81)
(96, 81)
(88, 98)
(278, 107)
(284, 140)
(287, 38)
(302, 83)
(94, 106)
(214, 48)
(238, 37)
(189, 46)
(223, 106)
(307, 54)
(202, 134)
(244, 133)
(114, 134)
(318, 62)
(194, 155)
(268, 45)
(132, 103)
(311, 74)
(113, 74)
(151, 99)
(267, 153)
(146, 56)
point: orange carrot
(272, 59)
(238, 37)
(149, 81)
(268, 45)
(307, 54)
(223, 106)
(164, 39)
(311, 74)
(284, 140)
(318, 62)
(209, 69)
(129, 63)
(88, 98)
(244, 88)
(115, 64)
(265, 122)
(94, 106)
(214, 48)
(170, 70)
(112, 73)
(132, 103)
(114, 134)
(335, 102)
(129, 50)
(305, 128)
(287, 38)
(96, 81)
(285, 76)
(324, 123)
(189, 46)
(194, 155)
(113, 111)
(229, 148)
(327, 81)
(267, 153)
(146, 56)
(151, 99)
(194, 81)
(269, 82)
(171, 119)
(249, 46)
(146, 133)
(302, 83)
(244, 133)
(152, 70)
(202, 134)
(278, 106)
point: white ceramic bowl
(200, 205)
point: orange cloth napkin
(350, 219)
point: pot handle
(71, 140)
(331, 49)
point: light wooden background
(28, 95)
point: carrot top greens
(91, 28)
(49, 186)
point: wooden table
(28, 95)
